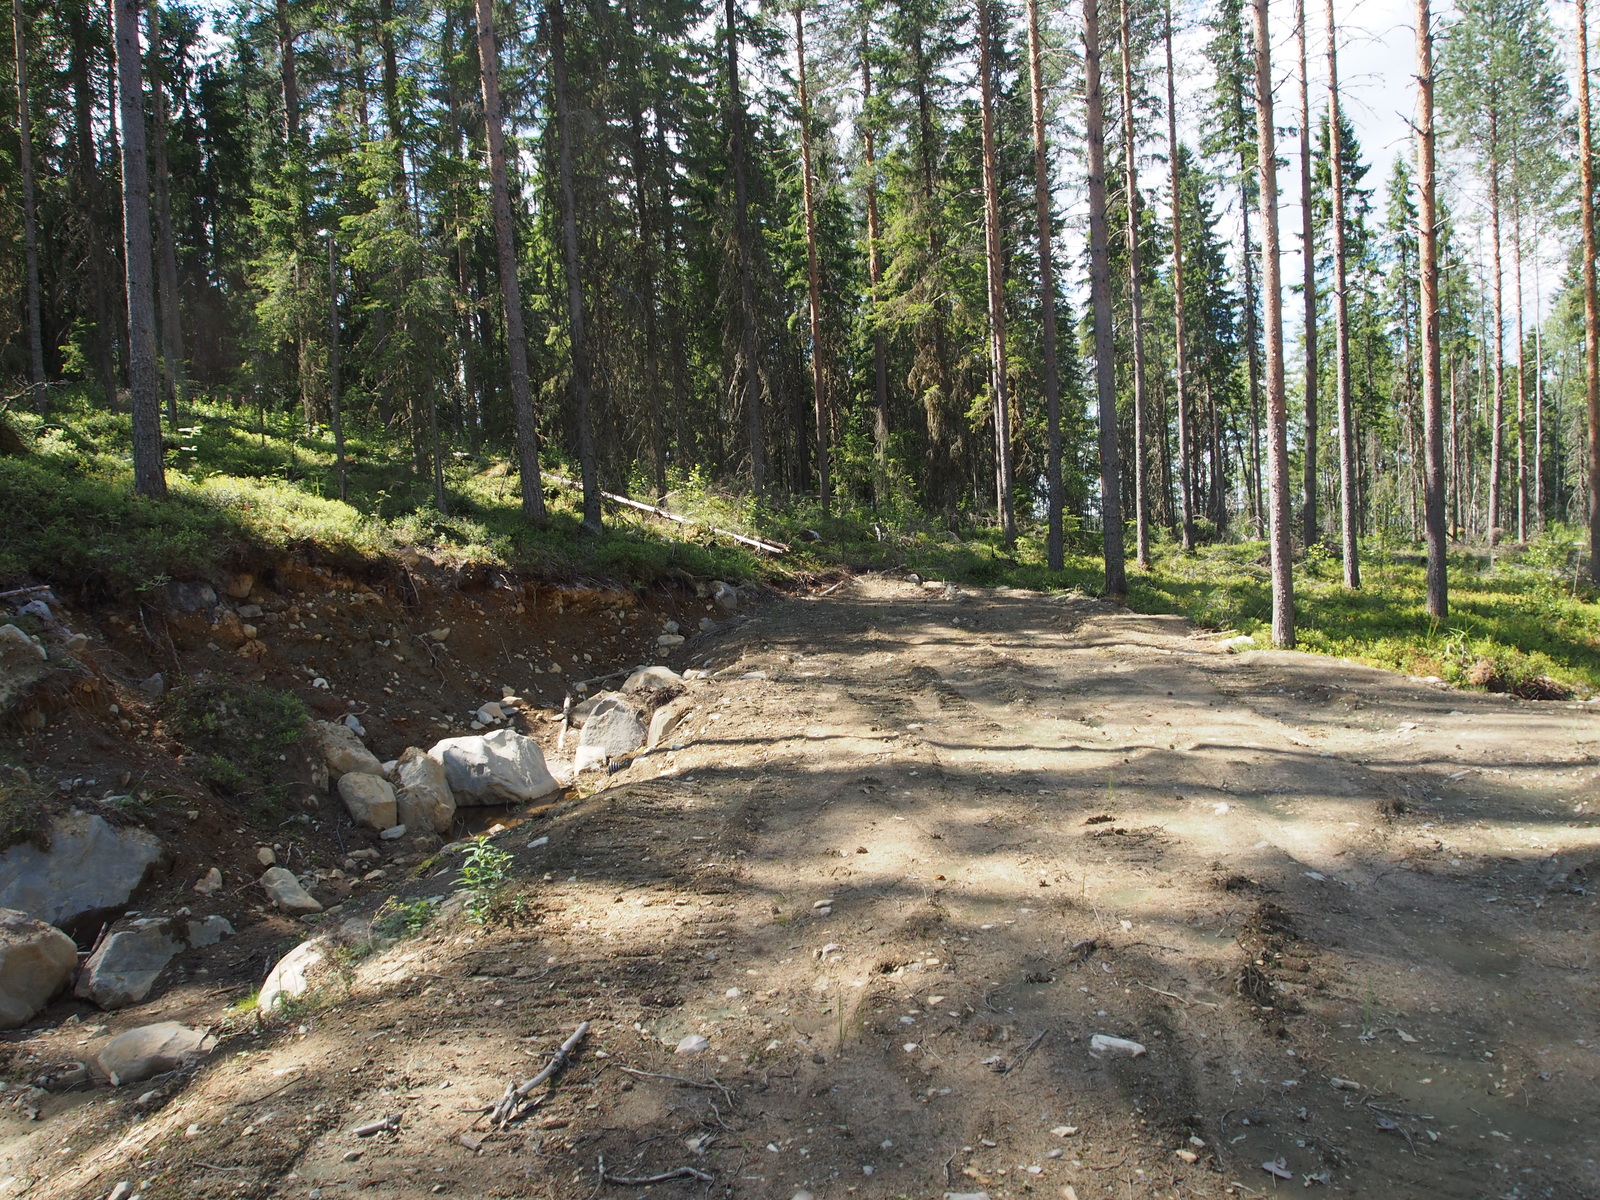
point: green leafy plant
(484, 873)
(402, 918)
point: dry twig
(510, 1105)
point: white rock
(131, 958)
(490, 713)
(91, 869)
(393, 833)
(423, 799)
(343, 752)
(290, 977)
(209, 883)
(267, 856)
(151, 1050)
(614, 730)
(22, 662)
(287, 893)
(36, 961)
(1104, 1043)
(502, 767)
(668, 640)
(369, 799)
(670, 627)
(353, 724)
(694, 1043)
(666, 719)
(652, 677)
(725, 597)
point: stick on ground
(505, 1111)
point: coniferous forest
(1004, 266)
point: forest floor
(917, 846)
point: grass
(246, 487)
(239, 731)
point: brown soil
(1350, 915)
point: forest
(997, 268)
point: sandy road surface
(918, 848)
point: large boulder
(89, 871)
(291, 977)
(502, 767)
(424, 799)
(342, 750)
(23, 662)
(725, 597)
(614, 730)
(286, 892)
(36, 961)
(126, 965)
(369, 799)
(666, 719)
(151, 1050)
(652, 677)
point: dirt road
(918, 847)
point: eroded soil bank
(916, 849)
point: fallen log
(663, 514)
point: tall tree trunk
(87, 181)
(1180, 370)
(1313, 526)
(1497, 432)
(1055, 552)
(1522, 373)
(813, 282)
(582, 384)
(647, 298)
(1538, 395)
(1591, 306)
(288, 77)
(335, 383)
(1428, 269)
(149, 469)
(533, 509)
(30, 228)
(1100, 293)
(880, 351)
(1141, 497)
(1252, 459)
(995, 262)
(1279, 516)
(746, 252)
(172, 353)
(1348, 516)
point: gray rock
(369, 799)
(667, 718)
(127, 964)
(342, 750)
(725, 597)
(423, 799)
(209, 882)
(292, 976)
(652, 677)
(502, 767)
(614, 730)
(23, 662)
(90, 870)
(287, 893)
(36, 961)
(151, 1050)
(668, 641)
(155, 686)
(191, 595)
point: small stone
(287, 893)
(1103, 1043)
(694, 1043)
(353, 724)
(393, 832)
(1188, 1156)
(669, 640)
(154, 686)
(266, 856)
(209, 882)
(670, 627)
(439, 634)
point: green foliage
(23, 815)
(485, 871)
(398, 918)
(239, 730)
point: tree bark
(1591, 306)
(1100, 292)
(335, 383)
(1279, 518)
(30, 227)
(172, 353)
(813, 280)
(1141, 497)
(149, 468)
(880, 352)
(746, 251)
(1522, 373)
(582, 382)
(287, 76)
(995, 262)
(647, 298)
(1428, 269)
(1185, 466)
(1055, 552)
(1497, 431)
(1348, 516)
(533, 509)
(1313, 527)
